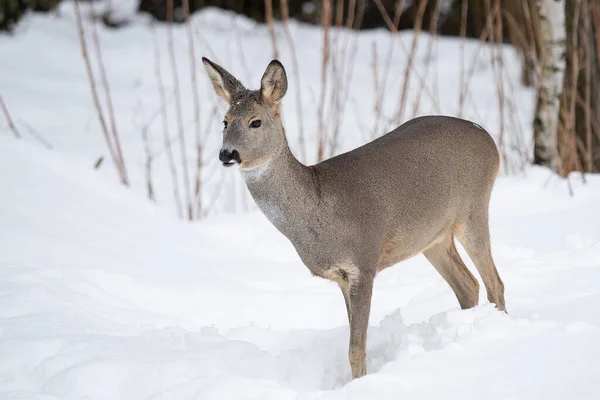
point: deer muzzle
(229, 158)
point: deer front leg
(358, 303)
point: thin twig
(179, 118)
(351, 13)
(165, 124)
(346, 77)
(430, 63)
(36, 134)
(380, 90)
(11, 125)
(107, 94)
(409, 63)
(360, 14)
(498, 66)
(392, 27)
(464, 7)
(298, 86)
(269, 21)
(242, 55)
(96, 100)
(326, 22)
(197, 209)
(378, 98)
(482, 38)
(571, 120)
(148, 164)
(588, 91)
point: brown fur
(410, 191)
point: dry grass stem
(178, 112)
(271, 25)
(409, 62)
(296, 72)
(36, 134)
(428, 56)
(11, 125)
(326, 22)
(197, 198)
(92, 82)
(107, 94)
(165, 124)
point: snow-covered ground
(105, 295)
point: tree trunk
(550, 85)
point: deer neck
(284, 189)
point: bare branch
(104, 80)
(298, 87)
(409, 63)
(36, 134)
(96, 100)
(11, 125)
(165, 124)
(269, 21)
(196, 104)
(179, 117)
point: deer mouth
(235, 160)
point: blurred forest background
(558, 42)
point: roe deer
(410, 191)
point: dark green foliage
(11, 11)
(366, 13)
(44, 5)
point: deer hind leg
(447, 262)
(474, 235)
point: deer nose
(228, 158)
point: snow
(105, 295)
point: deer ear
(273, 84)
(224, 83)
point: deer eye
(225, 124)
(256, 123)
